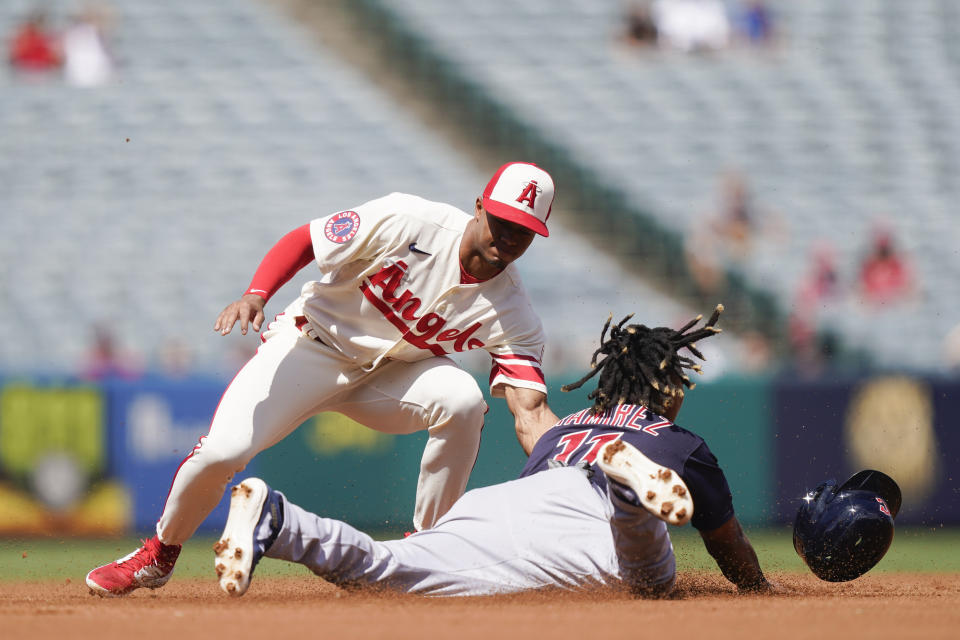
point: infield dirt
(882, 606)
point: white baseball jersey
(392, 289)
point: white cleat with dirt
(660, 489)
(235, 551)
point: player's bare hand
(248, 310)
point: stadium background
(134, 211)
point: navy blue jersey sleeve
(712, 500)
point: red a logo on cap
(529, 194)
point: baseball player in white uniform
(405, 282)
(589, 508)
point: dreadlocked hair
(642, 365)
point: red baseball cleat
(149, 566)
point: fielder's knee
(223, 458)
(458, 400)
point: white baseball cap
(522, 193)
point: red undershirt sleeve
(293, 252)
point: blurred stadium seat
(147, 203)
(850, 119)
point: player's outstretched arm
(735, 556)
(248, 310)
(533, 416)
(293, 252)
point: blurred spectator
(821, 282)
(33, 48)
(757, 354)
(819, 286)
(704, 262)
(641, 29)
(88, 60)
(728, 235)
(756, 23)
(737, 216)
(811, 358)
(692, 25)
(885, 276)
(175, 359)
(951, 350)
(105, 360)
(237, 354)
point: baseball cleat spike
(612, 450)
(660, 490)
(234, 551)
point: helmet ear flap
(878, 482)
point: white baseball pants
(552, 529)
(293, 377)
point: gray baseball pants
(552, 529)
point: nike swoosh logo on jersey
(413, 247)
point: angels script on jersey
(418, 331)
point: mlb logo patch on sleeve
(341, 227)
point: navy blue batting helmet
(842, 531)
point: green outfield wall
(98, 459)
(346, 471)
